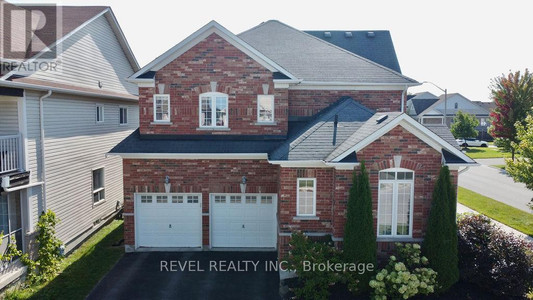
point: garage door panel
(250, 223)
(170, 224)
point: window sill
(95, 204)
(306, 218)
(213, 129)
(161, 123)
(266, 123)
(397, 239)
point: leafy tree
(521, 169)
(513, 96)
(464, 125)
(359, 236)
(440, 242)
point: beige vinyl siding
(8, 116)
(91, 55)
(76, 144)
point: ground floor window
(98, 185)
(10, 220)
(395, 202)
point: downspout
(403, 98)
(43, 161)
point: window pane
(98, 181)
(266, 199)
(387, 175)
(305, 196)
(162, 199)
(206, 113)
(192, 199)
(251, 199)
(235, 199)
(409, 175)
(220, 199)
(146, 199)
(266, 108)
(385, 208)
(221, 111)
(123, 115)
(404, 204)
(4, 215)
(177, 199)
(161, 108)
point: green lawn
(486, 152)
(508, 215)
(81, 270)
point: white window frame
(120, 109)
(100, 108)
(395, 183)
(94, 191)
(298, 197)
(167, 96)
(213, 96)
(271, 98)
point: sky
(458, 45)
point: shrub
(359, 236)
(440, 242)
(315, 283)
(49, 255)
(405, 276)
(11, 249)
(493, 259)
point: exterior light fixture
(167, 184)
(243, 184)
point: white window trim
(213, 110)
(168, 106)
(298, 214)
(120, 114)
(103, 113)
(395, 182)
(273, 110)
(98, 189)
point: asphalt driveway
(191, 275)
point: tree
(359, 236)
(521, 169)
(464, 125)
(440, 242)
(513, 96)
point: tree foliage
(359, 236)
(440, 242)
(513, 96)
(521, 169)
(464, 125)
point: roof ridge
(335, 47)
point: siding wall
(8, 116)
(75, 145)
(90, 55)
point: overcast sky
(458, 45)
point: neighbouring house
(375, 45)
(427, 108)
(56, 127)
(245, 138)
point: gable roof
(451, 110)
(195, 38)
(422, 101)
(375, 45)
(314, 60)
(315, 140)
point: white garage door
(243, 220)
(168, 220)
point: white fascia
(190, 155)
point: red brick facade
(236, 74)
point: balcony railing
(10, 153)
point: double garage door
(175, 220)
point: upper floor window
(456, 105)
(161, 108)
(214, 110)
(265, 108)
(123, 115)
(99, 113)
(395, 202)
(306, 197)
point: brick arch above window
(405, 164)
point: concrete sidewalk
(463, 209)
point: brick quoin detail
(236, 74)
(310, 102)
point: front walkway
(463, 209)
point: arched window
(395, 203)
(213, 110)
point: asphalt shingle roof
(312, 59)
(375, 45)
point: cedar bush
(493, 259)
(359, 236)
(440, 242)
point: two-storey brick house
(246, 138)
